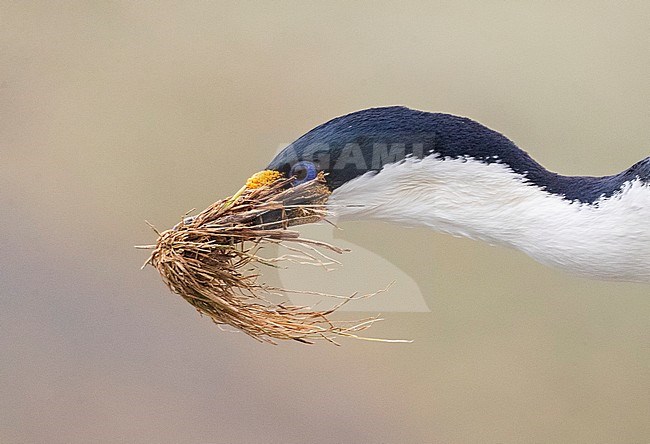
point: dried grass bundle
(210, 260)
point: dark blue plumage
(363, 141)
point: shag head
(369, 140)
(457, 176)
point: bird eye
(303, 171)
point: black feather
(351, 145)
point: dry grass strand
(211, 261)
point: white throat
(609, 239)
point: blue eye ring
(303, 171)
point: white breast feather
(464, 197)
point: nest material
(211, 261)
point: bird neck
(608, 239)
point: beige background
(116, 112)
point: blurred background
(116, 112)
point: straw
(211, 260)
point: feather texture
(607, 239)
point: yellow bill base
(263, 178)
